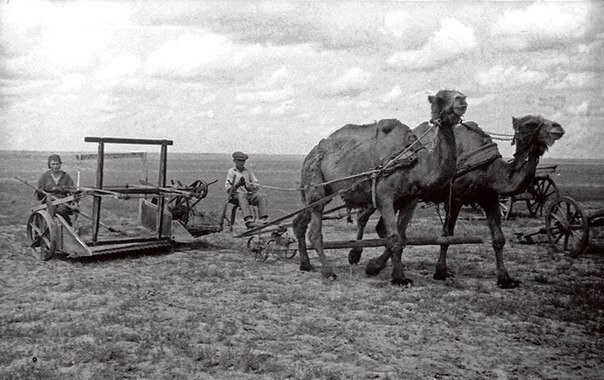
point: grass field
(212, 311)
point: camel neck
(443, 159)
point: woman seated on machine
(55, 183)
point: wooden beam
(410, 241)
(93, 156)
(119, 140)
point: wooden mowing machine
(50, 233)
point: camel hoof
(306, 268)
(508, 283)
(442, 274)
(354, 256)
(404, 282)
(373, 268)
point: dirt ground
(213, 311)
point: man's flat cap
(240, 156)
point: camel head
(448, 105)
(534, 134)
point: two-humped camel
(356, 149)
(481, 177)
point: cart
(567, 225)
(541, 190)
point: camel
(336, 166)
(481, 177)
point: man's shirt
(234, 176)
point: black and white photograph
(299, 189)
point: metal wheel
(567, 226)
(42, 232)
(542, 190)
(261, 254)
(258, 247)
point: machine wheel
(567, 226)
(261, 254)
(541, 190)
(258, 247)
(42, 232)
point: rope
(500, 136)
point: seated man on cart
(55, 183)
(242, 187)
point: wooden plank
(410, 241)
(120, 140)
(93, 156)
(96, 203)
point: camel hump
(387, 125)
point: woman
(56, 183)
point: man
(242, 185)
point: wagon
(542, 190)
(567, 225)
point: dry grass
(212, 311)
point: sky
(276, 77)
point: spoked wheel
(42, 232)
(567, 226)
(258, 247)
(542, 190)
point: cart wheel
(542, 190)
(505, 207)
(42, 232)
(263, 250)
(567, 226)
(254, 243)
(257, 247)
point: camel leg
(316, 238)
(394, 243)
(377, 264)
(300, 225)
(354, 256)
(451, 214)
(493, 214)
(404, 216)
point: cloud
(482, 100)
(265, 96)
(352, 82)
(284, 107)
(575, 80)
(199, 54)
(452, 39)
(66, 37)
(396, 23)
(363, 104)
(392, 95)
(581, 109)
(543, 24)
(272, 79)
(509, 76)
(117, 69)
